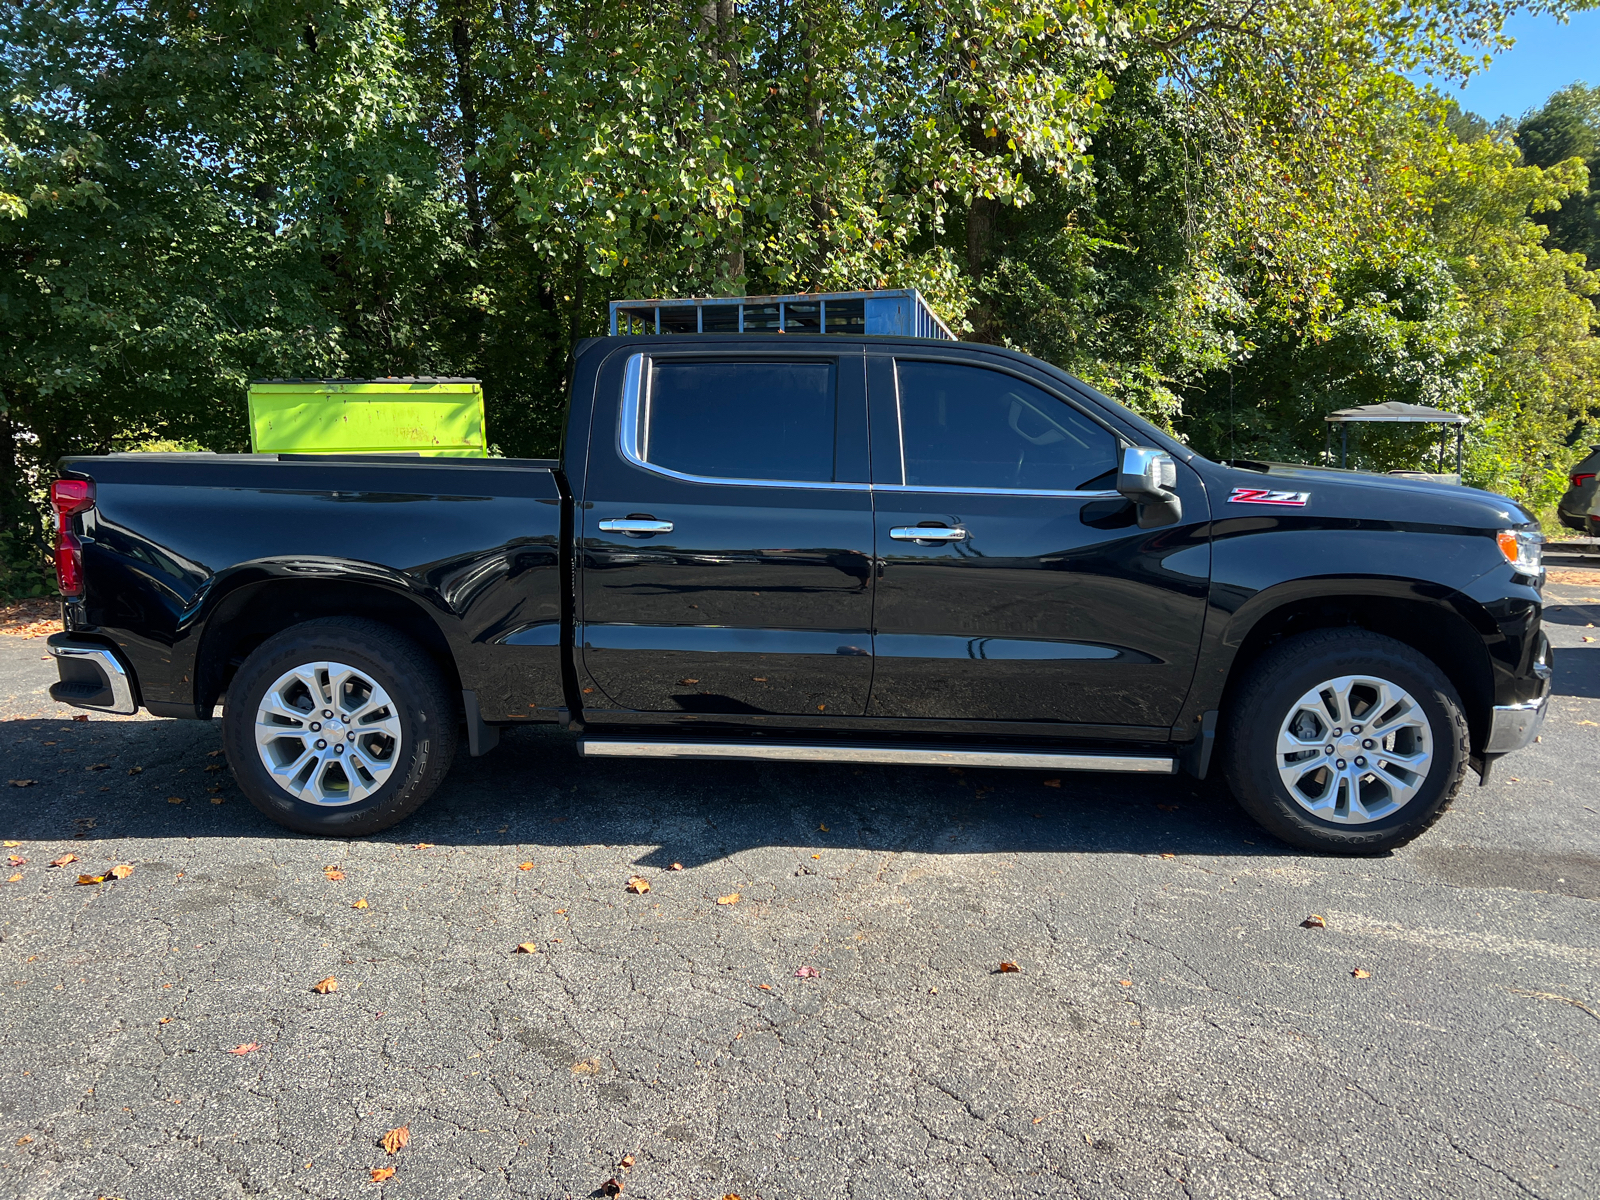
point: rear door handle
(926, 533)
(634, 525)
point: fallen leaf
(213, 753)
(1314, 921)
(81, 717)
(1361, 973)
(758, 678)
(134, 770)
(11, 844)
(560, 911)
(824, 828)
(17, 860)
(17, 878)
(98, 766)
(1125, 982)
(121, 871)
(164, 1021)
(730, 898)
(731, 1196)
(24, 1140)
(807, 973)
(216, 800)
(174, 799)
(638, 884)
(63, 860)
(1055, 783)
(424, 846)
(1165, 854)
(1167, 807)
(334, 874)
(587, 1066)
(527, 866)
(816, 856)
(244, 1048)
(765, 987)
(687, 681)
(396, 1140)
(526, 948)
(23, 782)
(627, 1161)
(1588, 639)
(361, 903)
(611, 1187)
(323, 986)
(91, 879)
(213, 767)
(1007, 967)
(379, 1174)
(675, 867)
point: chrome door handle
(926, 533)
(630, 525)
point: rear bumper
(92, 676)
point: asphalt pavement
(1171, 1029)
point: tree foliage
(1235, 215)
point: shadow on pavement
(534, 791)
(1578, 671)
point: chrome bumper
(1513, 726)
(116, 677)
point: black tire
(1264, 702)
(421, 705)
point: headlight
(1524, 550)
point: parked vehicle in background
(824, 548)
(1579, 506)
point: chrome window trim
(966, 491)
(635, 415)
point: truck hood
(1359, 495)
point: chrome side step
(1032, 760)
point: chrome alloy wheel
(1354, 749)
(327, 733)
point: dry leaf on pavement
(23, 782)
(807, 973)
(730, 898)
(134, 770)
(1168, 854)
(527, 866)
(587, 1066)
(638, 884)
(612, 1187)
(122, 870)
(63, 860)
(244, 1048)
(174, 799)
(675, 867)
(361, 903)
(323, 986)
(1007, 967)
(1314, 921)
(17, 860)
(1055, 783)
(1361, 973)
(379, 1174)
(9, 844)
(333, 873)
(91, 879)
(24, 1140)
(15, 878)
(526, 948)
(396, 1140)
(765, 987)
(627, 1161)
(424, 846)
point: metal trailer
(1395, 411)
(900, 313)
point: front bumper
(1513, 726)
(92, 676)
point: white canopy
(1394, 410)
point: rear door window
(970, 427)
(742, 420)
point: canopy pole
(1344, 444)
(1460, 433)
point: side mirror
(1150, 479)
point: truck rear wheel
(339, 726)
(1346, 742)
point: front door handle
(634, 525)
(926, 533)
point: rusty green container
(425, 416)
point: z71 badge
(1245, 495)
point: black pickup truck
(824, 549)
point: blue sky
(1547, 57)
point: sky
(1547, 57)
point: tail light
(69, 497)
(1580, 480)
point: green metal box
(431, 417)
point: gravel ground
(1171, 1028)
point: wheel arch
(1449, 629)
(262, 603)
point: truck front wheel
(1346, 742)
(339, 726)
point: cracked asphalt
(1171, 1030)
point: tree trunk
(466, 101)
(716, 32)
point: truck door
(1015, 584)
(725, 536)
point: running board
(1032, 760)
